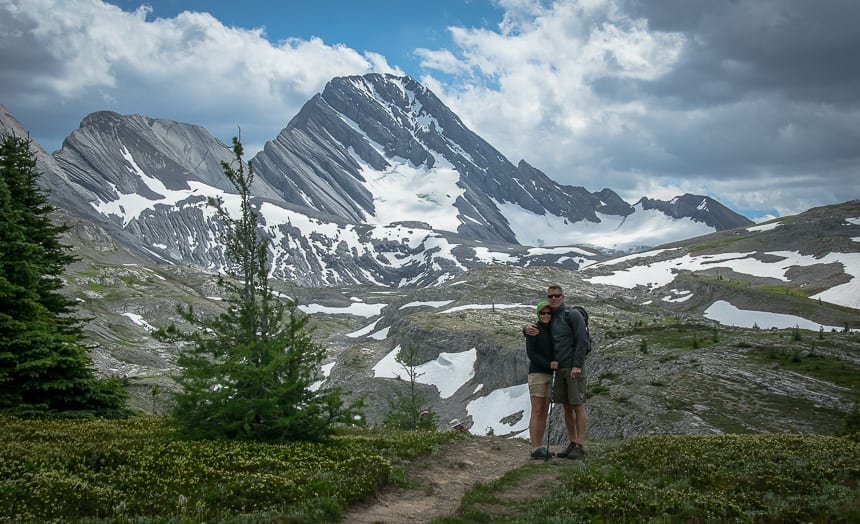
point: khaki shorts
(539, 384)
(569, 390)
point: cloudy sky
(753, 102)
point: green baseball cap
(542, 304)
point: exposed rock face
(361, 124)
(702, 209)
(111, 154)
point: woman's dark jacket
(539, 350)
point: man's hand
(553, 364)
(575, 372)
(530, 330)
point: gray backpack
(584, 314)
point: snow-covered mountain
(374, 181)
(377, 149)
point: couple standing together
(557, 344)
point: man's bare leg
(580, 419)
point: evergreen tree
(247, 372)
(405, 409)
(44, 365)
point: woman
(541, 366)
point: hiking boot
(566, 453)
(572, 451)
(540, 453)
(578, 452)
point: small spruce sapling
(406, 409)
(249, 372)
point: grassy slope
(134, 470)
(690, 478)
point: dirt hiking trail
(441, 479)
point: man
(569, 346)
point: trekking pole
(549, 415)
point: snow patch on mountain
(128, 207)
(138, 319)
(382, 334)
(467, 307)
(365, 330)
(448, 372)
(661, 273)
(727, 314)
(414, 193)
(361, 309)
(847, 294)
(451, 371)
(645, 227)
(430, 303)
(405, 191)
(764, 227)
(488, 411)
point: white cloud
(200, 71)
(594, 95)
(442, 60)
(644, 98)
(536, 75)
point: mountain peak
(700, 209)
(375, 180)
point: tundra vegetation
(140, 470)
(682, 478)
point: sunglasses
(556, 295)
(542, 313)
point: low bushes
(683, 479)
(128, 470)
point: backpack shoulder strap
(581, 310)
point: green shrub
(683, 479)
(795, 334)
(137, 469)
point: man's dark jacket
(568, 337)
